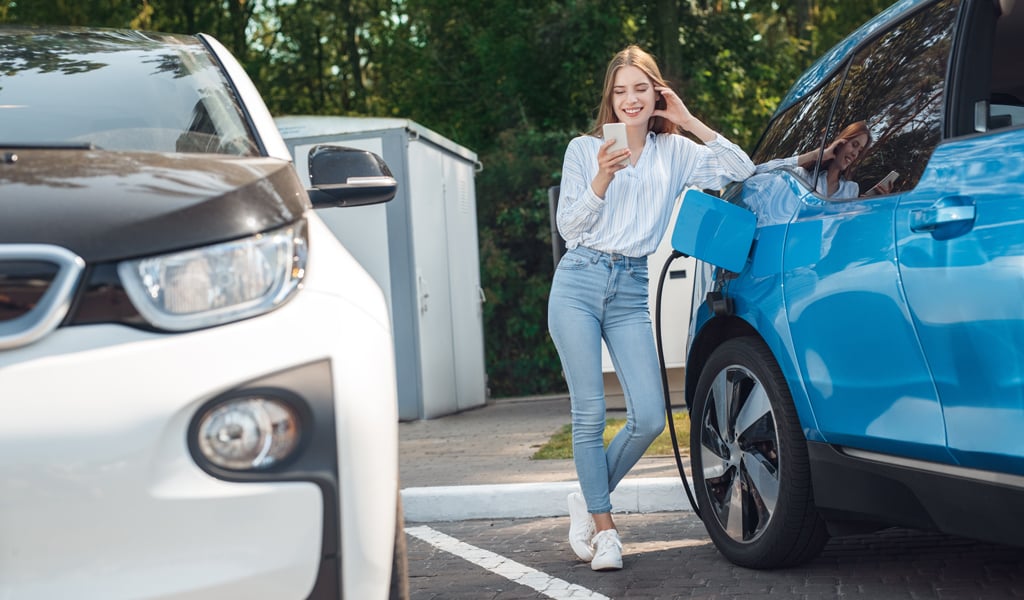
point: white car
(197, 380)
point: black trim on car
(23, 282)
(44, 146)
(871, 489)
(309, 389)
(102, 299)
(972, 46)
(243, 107)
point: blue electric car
(865, 366)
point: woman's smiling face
(633, 96)
(850, 151)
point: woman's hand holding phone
(884, 186)
(612, 157)
(616, 134)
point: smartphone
(617, 132)
(888, 180)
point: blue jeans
(597, 295)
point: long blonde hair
(631, 56)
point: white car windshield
(117, 90)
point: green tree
(318, 56)
(71, 12)
(514, 80)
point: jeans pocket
(639, 274)
(572, 263)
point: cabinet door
(467, 313)
(434, 331)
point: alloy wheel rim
(739, 446)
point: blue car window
(897, 86)
(797, 131)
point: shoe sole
(610, 567)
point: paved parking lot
(668, 556)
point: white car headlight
(219, 283)
(245, 433)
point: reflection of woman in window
(837, 160)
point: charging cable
(664, 382)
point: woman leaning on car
(613, 210)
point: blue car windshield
(117, 90)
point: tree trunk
(240, 14)
(351, 47)
(667, 36)
(804, 19)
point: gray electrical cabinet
(422, 250)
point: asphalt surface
(667, 556)
(485, 521)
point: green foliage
(319, 56)
(516, 260)
(727, 82)
(559, 446)
(514, 80)
(70, 12)
(472, 70)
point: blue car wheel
(750, 465)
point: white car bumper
(101, 498)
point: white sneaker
(607, 552)
(581, 527)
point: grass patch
(560, 444)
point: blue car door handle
(927, 219)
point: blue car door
(866, 376)
(855, 345)
(960, 237)
(961, 250)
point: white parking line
(552, 587)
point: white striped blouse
(632, 217)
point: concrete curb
(525, 500)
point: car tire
(752, 476)
(399, 562)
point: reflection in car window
(896, 84)
(798, 130)
(135, 93)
